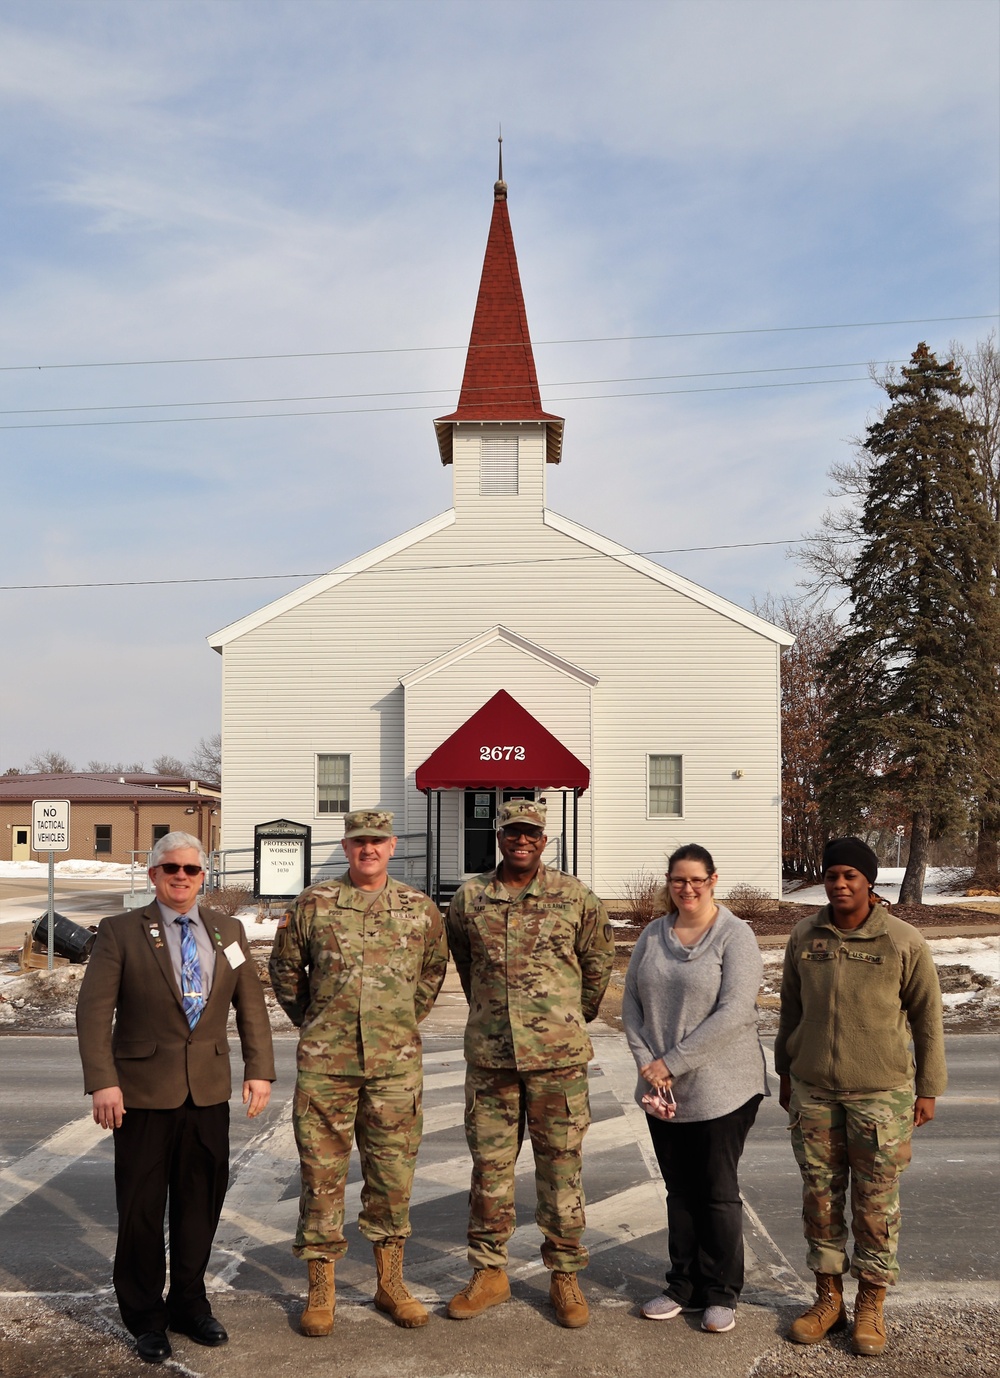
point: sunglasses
(170, 868)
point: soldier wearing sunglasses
(151, 1020)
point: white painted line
(53, 1156)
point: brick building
(111, 815)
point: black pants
(699, 1163)
(182, 1155)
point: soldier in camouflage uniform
(857, 984)
(357, 963)
(534, 951)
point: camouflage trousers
(863, 1136)
(555, 1106)
(384, 1114)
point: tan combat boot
(868, 1335)
(487, 1287)
(317, 1318)
(826, 1313)
(570, 1304)
(391, 1293)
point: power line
(416, 569)
(430, 349)
(449, 388)
(423, 406)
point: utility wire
(424, 406)
(430, 349)
(418, 569)
(425, 392)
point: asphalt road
(57, 1224)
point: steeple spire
(500, 383)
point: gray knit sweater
(696, 1008)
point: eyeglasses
(170, 868)
(513, 834)
(698, 883)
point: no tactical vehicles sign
(50, 825)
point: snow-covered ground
(87, 870)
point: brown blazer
(131, 1024)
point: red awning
(502, 746)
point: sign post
(50, 833)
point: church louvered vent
(498, 465)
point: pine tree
(914, 676)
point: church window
(665, 794)
(333, 783)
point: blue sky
(194, 180)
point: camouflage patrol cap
(522, 811)
(368, 823)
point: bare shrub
(641, 897)
(230, 899)
(750, 902)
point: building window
(333, 783)
(102, 838)
(665, 798)
(497, 465)
(160, 830)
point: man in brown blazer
(151, 1019)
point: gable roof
(218, 640)
(500, 383)
(543, 763)
(498, 633)
(642, 565)
(328, 581)
(97, 786)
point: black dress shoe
(204, 1330)
(154, 1346)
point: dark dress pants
(182, 1157)
(699, 1163)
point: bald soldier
(357, 964)
(534, 951)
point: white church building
(478, 656)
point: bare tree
(49, 763)
(116, 767)
(206, 760)
(169, 765)
(804, 728)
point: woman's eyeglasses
(698, 883)
(170, 868)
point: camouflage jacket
(533, 969)
(356, 981)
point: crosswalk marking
(54, 1155)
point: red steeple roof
(500, 383)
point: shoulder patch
(609, 933)
(285, 919)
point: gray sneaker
(719, 1319)
(661, 1308)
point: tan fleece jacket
(847, 999)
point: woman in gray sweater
(689, 1012)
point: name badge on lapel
(234, 955)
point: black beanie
(851, 851)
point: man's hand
(256, 1095)
(923, 1110)
(657, 1073)
(784, 1090)
(109, 1107)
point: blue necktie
(191, 990)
